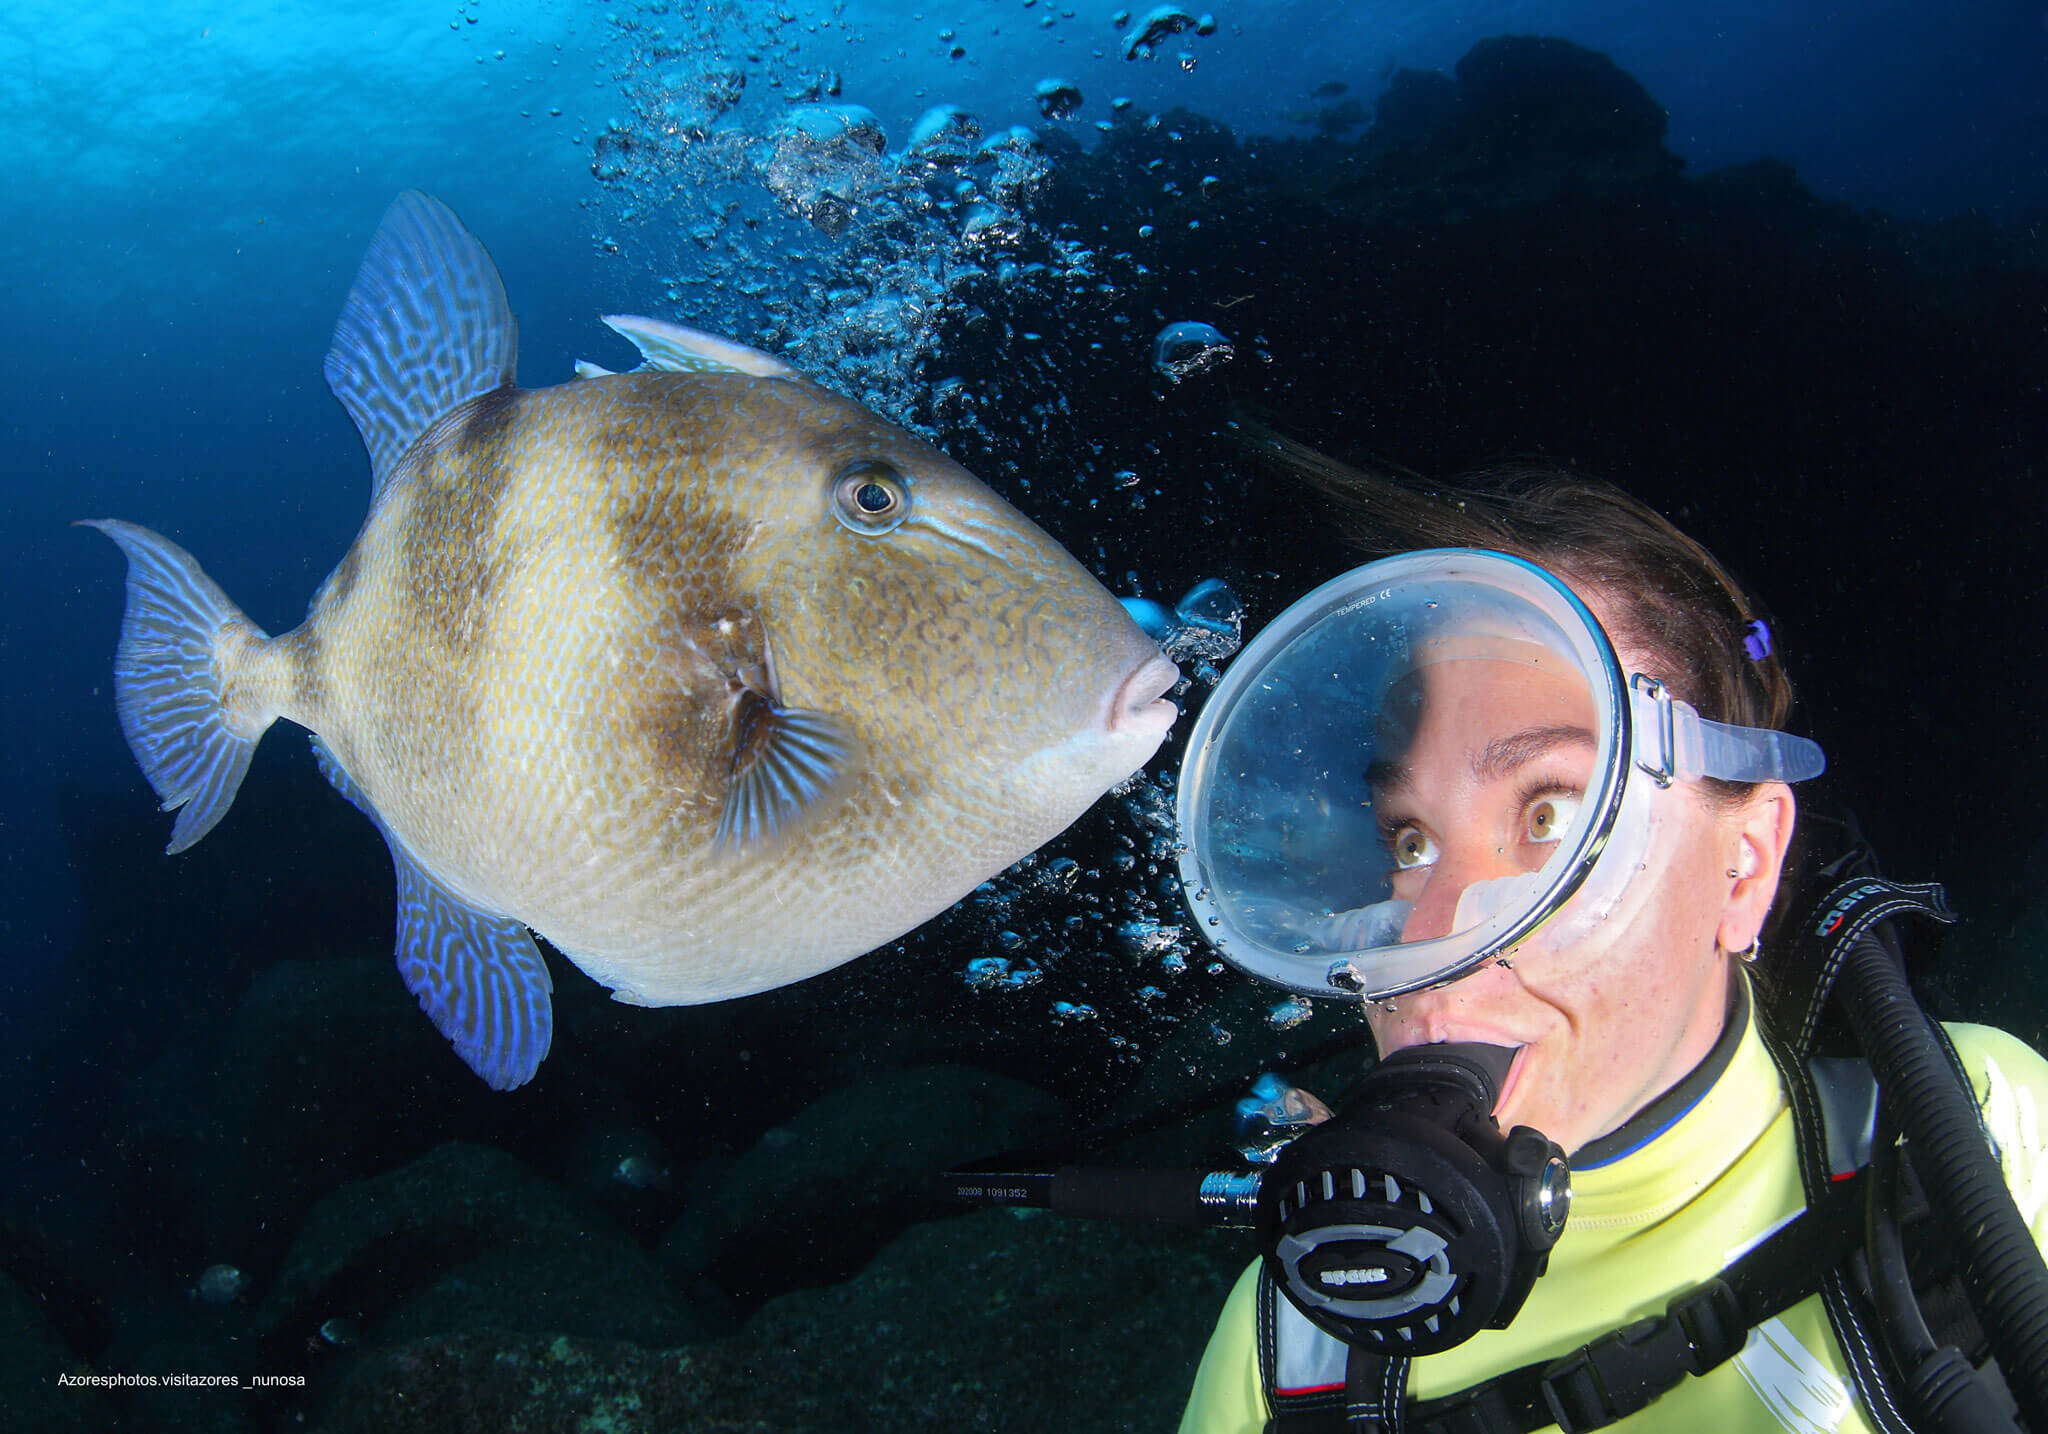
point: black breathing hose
(2001, 1265)
(1943, 1384)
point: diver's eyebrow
(1505, 754)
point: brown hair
(1662, 593)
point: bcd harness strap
(1625, 1370)
(1622, 1371)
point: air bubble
(1183, 350)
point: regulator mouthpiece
(1409, 1222)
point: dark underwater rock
(302, 1091)
(1415, 107)
(814, 1199)
(32, 1358)
(187, 1409)
(467, 1236)
(1525, 117)
(327, 1072)
(43, 1270)
(989, 1322)
(1526, 94)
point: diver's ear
(1754, 838)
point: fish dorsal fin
(675, 349)
(425, 328)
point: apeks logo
(1831, 920)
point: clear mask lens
(1423, 764)
(1328, 801)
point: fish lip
(1139, 704)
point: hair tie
(1757, 640)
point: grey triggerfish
(703, 672)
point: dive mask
(1300, 861)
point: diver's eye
(1550, 816)
(1413, 849)
(870, 497)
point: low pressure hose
(2001, 1266)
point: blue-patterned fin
(166, 687)
(675, 349)
(479, 977)
(784, 762)
(425, 328)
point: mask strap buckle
(1664, 772)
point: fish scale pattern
(563, 609)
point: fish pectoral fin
(586, 369)
(675, 349)
(785, 762)
(479, 978)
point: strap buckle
(1482, 1409)
(1622, 1372)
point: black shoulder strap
(1315, 1384)
(1804, 980)
(1801, 977)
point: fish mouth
(1139, 704)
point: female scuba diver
(1524, 791)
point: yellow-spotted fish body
(703, 672)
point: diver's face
(1486, 762)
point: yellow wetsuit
(1657, 1221)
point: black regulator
(1409, 1222)
(1406, 1223)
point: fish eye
(870, 497)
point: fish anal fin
(337, 777)
(786, 762)
(479, 977)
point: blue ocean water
(194, 186)
(191, 187)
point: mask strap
(1675, 743)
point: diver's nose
(1436, 909)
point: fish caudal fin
(479, 977)
(425, 328)
(182, 643)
